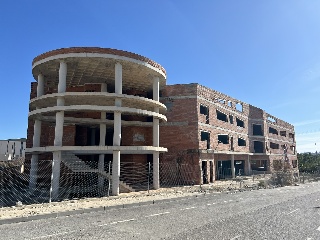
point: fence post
(303, 177)
(109, 179)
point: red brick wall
(136, 136)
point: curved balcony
(97, 99)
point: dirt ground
(21, 210)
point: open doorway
(204, 172)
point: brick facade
(216, 126)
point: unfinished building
(221, 136)
(92, 110)
(93, 104)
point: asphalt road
(281, 213)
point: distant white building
(12, 148)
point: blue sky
(266, 53)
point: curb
(88, 210)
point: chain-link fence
(80, 179)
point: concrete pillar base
(116, 173)
(101, 169)
(33, 172)
(55, 176)
(156, 181)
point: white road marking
(209, 204)
(188, 208)
(225, 201)
(236, 237)
(293, 211)
(157, 214)
(121, 221)
(318, 228)
(52, 235)
(230, 200)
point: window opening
(239, 107)
(221, 116)
(241, 142)
(240, 123)
(274, 145)
(205, 111)
(224, 139)
(259, 165)
(283, 133)
(205, 136)
(294, 163)
(273, 131)
(258, 146)
(293, 149)
(271, 119)
(257, 130)
(221, 101)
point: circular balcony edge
(94, 122)
(155, 67)
(86, 150)
(66, 95)
(95, 108)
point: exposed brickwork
(193, 114)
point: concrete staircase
(76, 165)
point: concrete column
(36, 133)
(156, 88)
(55, 176)
(62, 77)
(58, 132)
(156, 181)
(36, 139)
(155, 127)
(117, 129)
(35, 157)
(101, 170)
(104, 87)
(117, 132)
(118, 78)
(40, 87)
(102, 143)
(62, 85)
(33, 172)
(233, 170)
(103, 130)
(115, 173)
(248, 166)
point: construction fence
(84, 179)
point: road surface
(282, 213)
